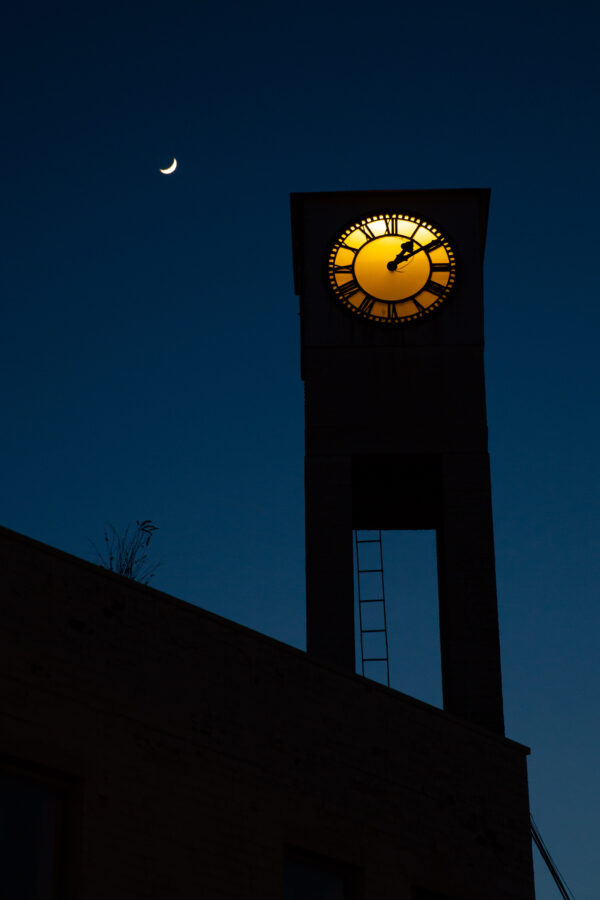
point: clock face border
(384, 311)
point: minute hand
(406, 254)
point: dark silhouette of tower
(396, 434)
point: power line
(565, 891)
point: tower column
(470, 646)
(329, 561)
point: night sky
(150, 339)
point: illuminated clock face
(392, 268)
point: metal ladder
(369, 579)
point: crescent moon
(171, 168)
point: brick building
(155, 749)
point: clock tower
(391, 309)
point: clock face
(392, 268)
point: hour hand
(407, 250)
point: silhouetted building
(151, 749)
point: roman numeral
(392, 311)
(348, 247)
(343, 270)
(432, 245)
(367, 231)
(391, 225)
(418, 305)
(435, 288)
(350, 287)
(440, 267)
(367, 305)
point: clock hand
(408, 252)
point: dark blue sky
(150, 342)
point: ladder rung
(373, 600)
(360, 571)
(376, 659)
(372, 630)
(369, 541)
